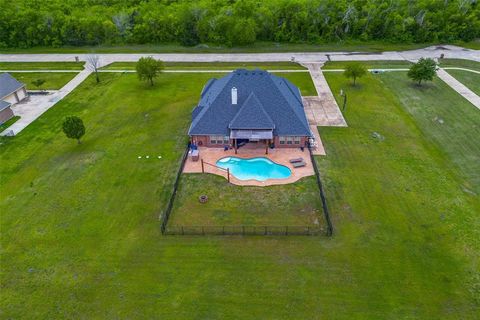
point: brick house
(250, 106)
(11, 92)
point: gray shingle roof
(8, 84)
(4, 105)
(252, 115)
(263, 100)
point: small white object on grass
(147, 157)
(159, 157)
(139, 157)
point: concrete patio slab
(281, 156)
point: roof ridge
(246, 103)
(295, 110)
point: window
(219, 140)
(289, 140)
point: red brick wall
(303, 141)
(5, 115)
(204, 141)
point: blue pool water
(259, 169)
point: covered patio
(210, 156)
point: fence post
(203, 169)
(243, 230)
(286, 230)
(223, 230)
(265, 232)
(228, 175)
(203, 231)
(183, 233)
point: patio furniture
(299, 164)
(195, 155)
(296, 160)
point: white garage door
(21, 94)
(11, 98)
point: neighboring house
(249, 106)
(6, 112)
(11, 90)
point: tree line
(29, 23)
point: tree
(424, 70)
(73, 128)
(354, 70)
(148, 69)
(93, 63)
(38, 82)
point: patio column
(235, 145)
(267, 141)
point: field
(212, 65)
(80, 230)
(390, 64)
(53, 80)
(460, 63)
(41, 65)
(469, 79)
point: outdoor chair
(296, 160)
(299, 164)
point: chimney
(234, 95)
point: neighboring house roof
(265, 101)
(8, 85)
(4, 105)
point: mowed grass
(53, 80)
(385, 64)
(41, 65)
(446, 120)
(212, 66)
(460, 63)
(80, 231)
(401, 202)
(8, 123)
(296, 204)
(469, 79)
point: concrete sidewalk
(459, 87)
(30, 110)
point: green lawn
(80, 232)
(446, 120)
(469, 79)
(400, 204)
(212, 66)
(41, 65)
(460, 63)
(53, 80)
(386, 64)
(296, 204)
(8, 123)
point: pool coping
(280, 156)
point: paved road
(433, 52)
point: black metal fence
(166, 214)
(245, 230)
(322, 195)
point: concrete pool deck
(210, 156)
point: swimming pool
(260, 169)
